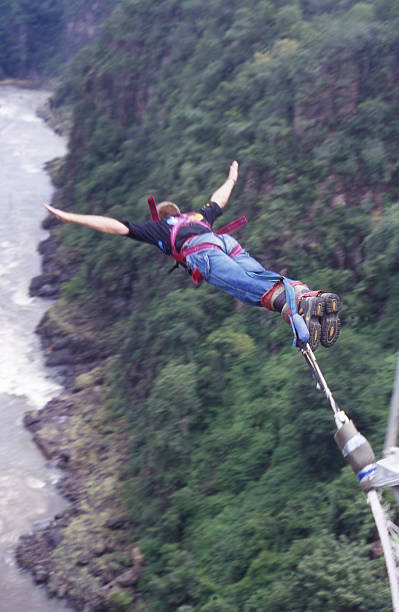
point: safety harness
(185, 220)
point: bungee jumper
(220, 260)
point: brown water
(28, 496)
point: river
(28, 496)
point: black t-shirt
(158, 232)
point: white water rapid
(27, 483)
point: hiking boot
(318, 309)
(320, 313)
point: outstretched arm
(221, 196)
(101, 224)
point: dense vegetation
(236, 493)
(37, 36)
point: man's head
(168, 209)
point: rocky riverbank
(86, 554)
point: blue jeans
(241, 276)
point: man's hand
(233, 172)
(60, 214)
(221, 196)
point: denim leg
(242, 276)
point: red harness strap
(196, 275)
(236, 251)
(196, 248)
(153, 208)
(230, 227)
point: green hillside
(235, 491)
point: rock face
(85, 553)
(55, 270)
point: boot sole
(330, 323)
(320, 314)
(312, 310)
